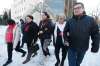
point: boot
(62, 64)
(8, 62)
(23, 54)
(26, 61)
(57, 63)
(28, 58)
(34, 54)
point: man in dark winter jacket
(80, 28)
(30, 34)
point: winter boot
(27, 58)
(57, 63)
(34, 54)
(23, 54)
(8, 62)
(26, 61)
(62, 64)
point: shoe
(8, 62)
(23, 54)
(26, 61)
(57, 63)
(34, 54)
(21, 46)
(62, 64)
(49, 54)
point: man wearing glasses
(81, 27)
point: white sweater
(61, 27)
(17, 35)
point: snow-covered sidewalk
(92, 59)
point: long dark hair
(46, 14)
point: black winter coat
(80, 30)
(47, 28)
(30, 32)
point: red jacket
(9, 34)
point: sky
(89, 4)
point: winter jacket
(58, 36)
(80, 29)
(10, 33)
(30, 32)
(47, 29)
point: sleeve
(66, 31)
(95, 36)
(40, 25)
(5, 34)
(54, 35)
(36, 33)
(51, 27)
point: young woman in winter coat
(9, 38)
(45, 32)
(59, 40)
(12, 39)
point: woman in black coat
(45, 32)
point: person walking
(45, 32)
(30, 35)
(81, 27)
(17, 41)
(9, 39)
(59, 40)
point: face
(61, 19)
(78, 9)
(44, 17)
(28, 19)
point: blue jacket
(80, 29)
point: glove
(94, 49)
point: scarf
(61, 27)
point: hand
(94, 50)
(40, 32)
(66, 43)
(46, 29)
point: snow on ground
(92, 59)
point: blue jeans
(75, 57)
